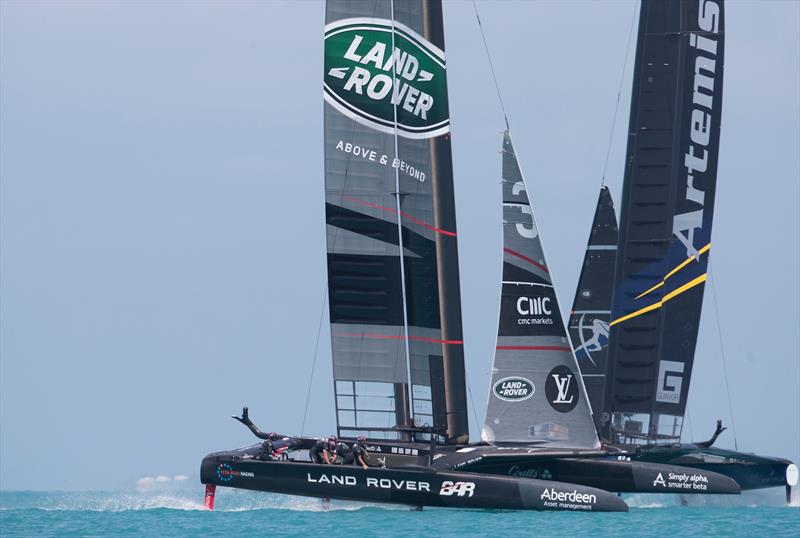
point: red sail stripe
(527, 259)
(403, 213)
(537, 348)
(397, 337)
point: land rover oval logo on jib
(377, 70)
(514, 389)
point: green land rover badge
(382, 78)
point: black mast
(444, 211)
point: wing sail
(395, 307)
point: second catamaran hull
(593, 470)
(749, 470)
(416, 486)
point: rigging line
(325, 297)
(689, 422)
(471, 401)
(314, 363)
(400, 242)
(722, 353)
(619, 94)
(491, 65)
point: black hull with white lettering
(598, 469)
(750, 471)
(412, 485)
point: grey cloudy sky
(163, 257)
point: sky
(162, 237)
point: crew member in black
(344, 452)
(321, 451)
(360, 454)
(266, 451)
(267, 448)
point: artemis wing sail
(591, 309)
(395, 308)
(666, 213)
(536, 395)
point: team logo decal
(457, 488)
(597, 341)
(561, 389)
(383, 74)
(552, 497)
(513, 389)
(670, 381)
(224, 473)
(684, 481)
(703, 127)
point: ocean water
(238, 513)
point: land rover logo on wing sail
(561, 389)
(377, 69)
(513, 389)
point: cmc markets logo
(383, 74)
(534, 310)
(561, 389)
(534, 306)
(457, 488)
(513, 389)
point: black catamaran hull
(598, 470)
(416, 486)
(750, 471)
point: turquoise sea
(180, 513)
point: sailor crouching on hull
(360, 454)
(343, 454)
(324, 450)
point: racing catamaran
(637, 307)
(395, 314)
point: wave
(226, 501)
(774, 497)
(232, 500)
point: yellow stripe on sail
(671, 295)
(651, 289)
(689, 285)
(653, 306)
(683, 264)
